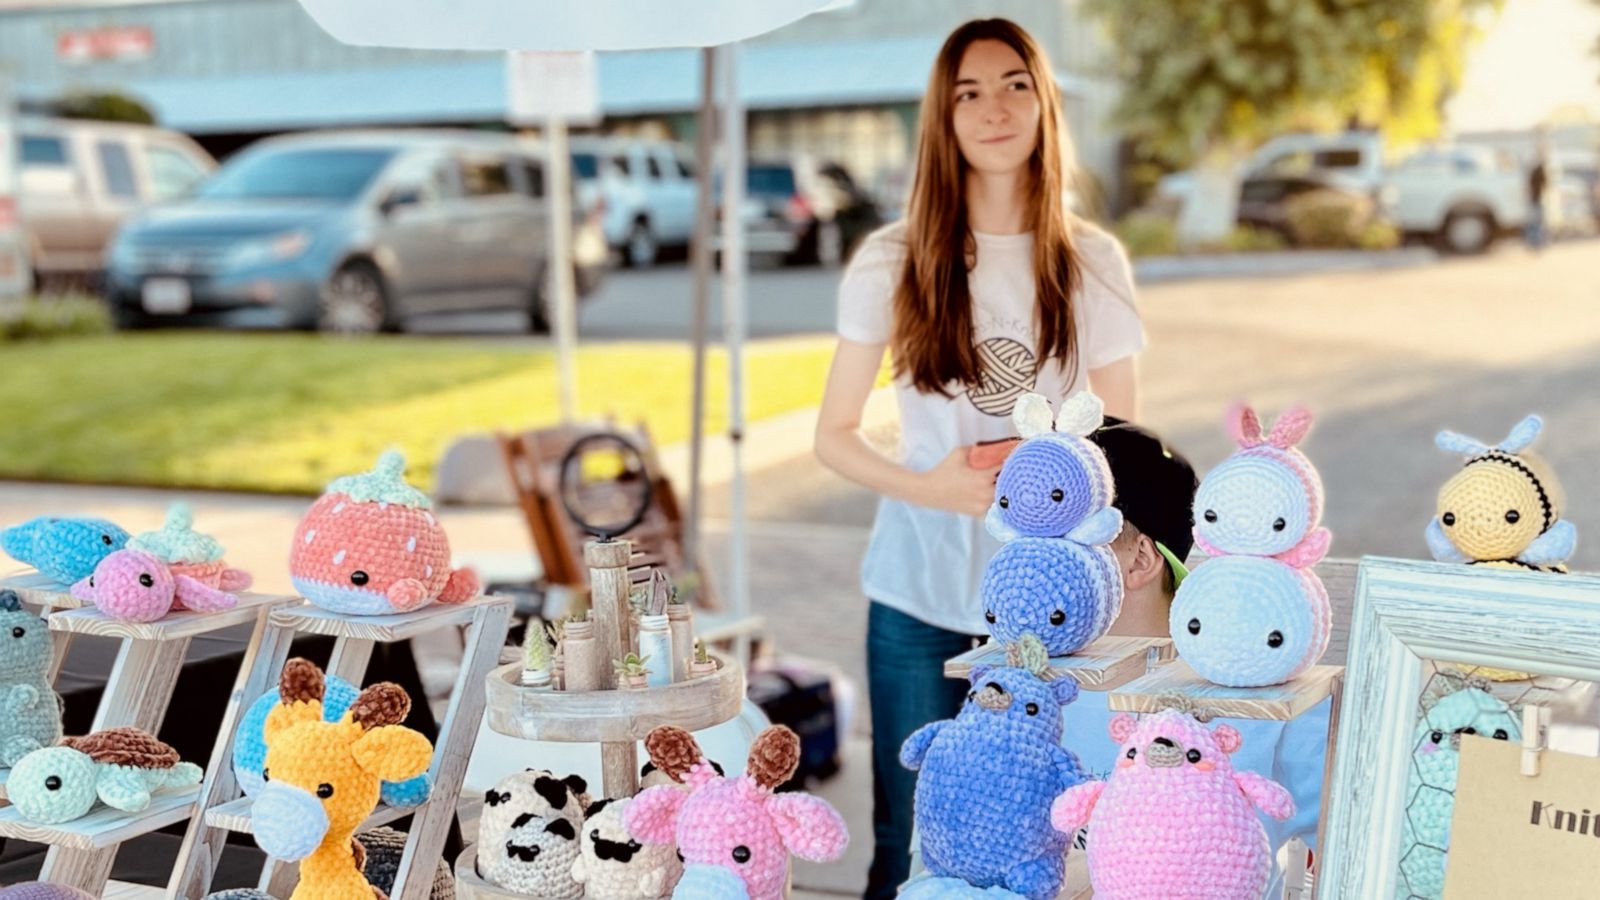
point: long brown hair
(933, 339)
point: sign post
(15, 274)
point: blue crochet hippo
(987, 778)
(30, 711)
(65, 550)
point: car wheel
(541, 316)
(1467, 231)
(354, 302)
(641, 248)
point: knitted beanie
(1267, 498)
(1249, 621)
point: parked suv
(80, 179)
(642, 192)
(805, 211)
(350, 232)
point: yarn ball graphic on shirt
(1009, 370)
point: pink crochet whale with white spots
(735, 834)
(371, 546)
(1175, 821)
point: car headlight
(276, 248)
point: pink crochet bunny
(1266, 499)
(735, 834)
(1174, 821)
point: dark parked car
(805, 212)
(1263, 200)
(349, 232)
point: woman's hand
(956, 486)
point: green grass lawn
(289, 412)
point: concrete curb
(1157, 269)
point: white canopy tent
(559, 25)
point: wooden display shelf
(611, 716)
(235, 816)
(1279, 702)
(40, 590)
(306, 618)
(1102, 666)
(176, 625)
(103, 827)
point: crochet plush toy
(528, 833)
(736, 835)
(322, 778)
(250, 744)
(30, 711)
(370, 545)
(1504, 507)
(65, 550)
(39, 890)
(1431, 789)
(378, 852)
(1256, 613)
(1174, 821)
(174, 567)
(986, 779)
(1055, 576)
(120, 767)
(614, 865)
(933, 887)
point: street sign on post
(548, 90)
(15, 274)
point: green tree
(106, 107)
(1205, 80)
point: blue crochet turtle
(30, 711)
(66, 550)
(250, 747)
(987, 778)
(1055, 576)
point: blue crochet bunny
(30, 712)
(67, 550)
(987, 778)
(1055, 576)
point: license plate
(166, 296)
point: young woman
(989, 289)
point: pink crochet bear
(1175, 821)
(735, 834)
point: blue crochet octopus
(1055, 576)
(987, 778)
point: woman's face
(995, 112)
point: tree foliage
(105, 107)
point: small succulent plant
(701, 654)
(536, 648)
(631, 666)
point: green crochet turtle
(121, 767)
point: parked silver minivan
(350, 231)
(80, 179)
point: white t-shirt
(924, 562)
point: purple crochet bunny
(1055, 577)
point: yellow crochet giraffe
(322, 779)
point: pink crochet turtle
(1175, 821)
(735, 834)
(173, 567)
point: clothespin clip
(1535, 724)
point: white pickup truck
(1461, 196)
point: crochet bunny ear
(1032, 416)
(1081, 414)
(1290, 428)
(1244, 426)
(1525, 433)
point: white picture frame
(1408, 611)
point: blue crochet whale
(65, 550)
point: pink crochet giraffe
(1174, 821)
(735, 834)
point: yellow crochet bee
(1504, 508)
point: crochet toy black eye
(1132, 752)
(594, 835)
(53, 783)
(1467, 730)
(1058, 495)
(1436, 737)
(1279, 525)
(680, 856)
(1275, 639)
(1448, 519)
(1031, 709)
(358, 578)
(1194, 626)
(1211, 515)
(1057, 617)
(1500, 735)
(91, 581)
(105, 539)
(988, 616)
(324, 790)
(1513, 516)
(266, 777)
(972, 695)
(741, 854)
(1192, 756)
(18, 631)
(146, 580)
(1004, 503)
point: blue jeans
(907, 690)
